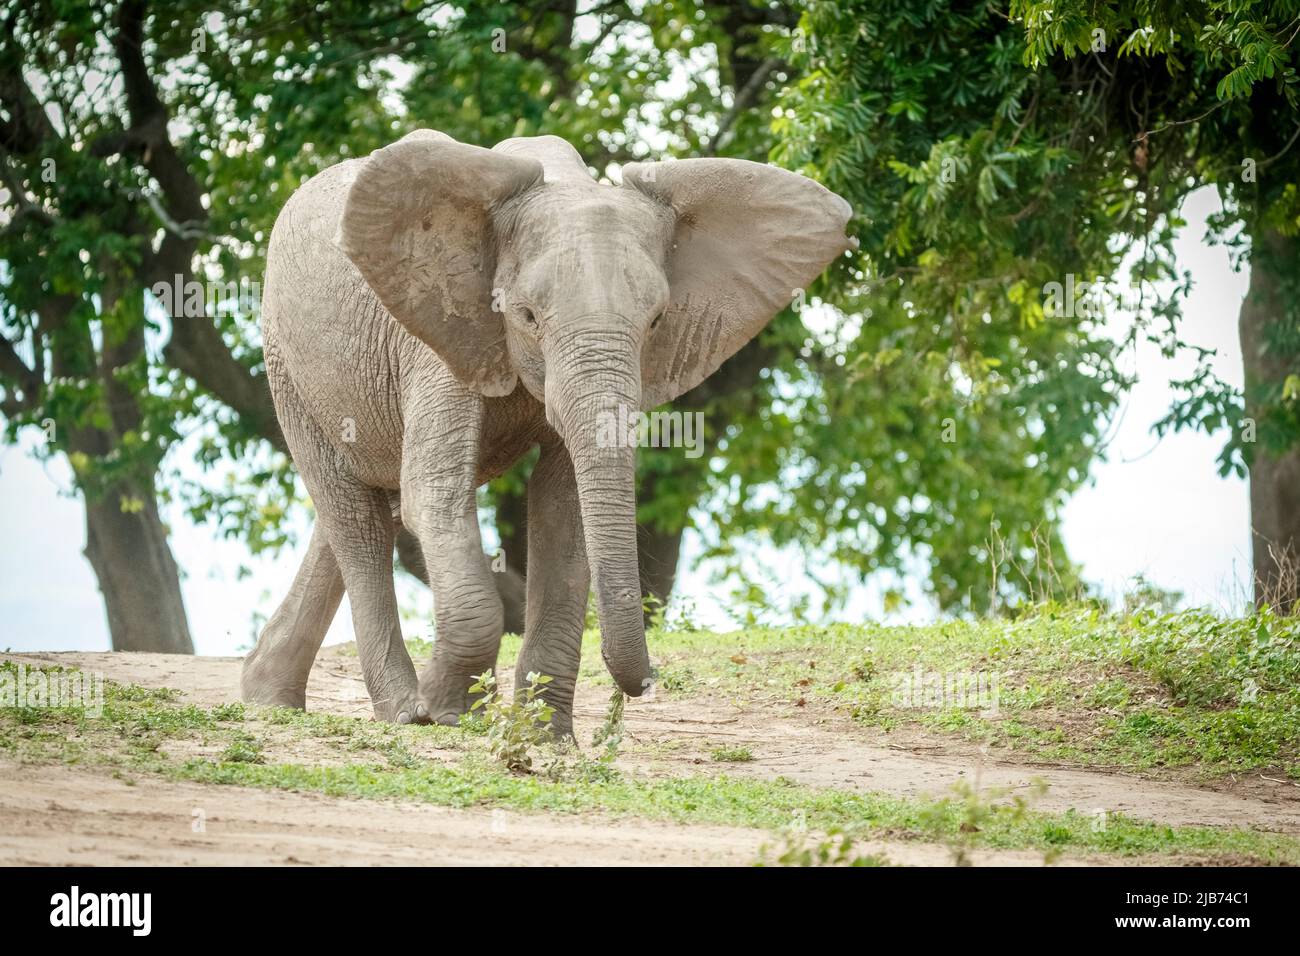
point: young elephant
(434, 311)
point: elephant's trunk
(593, 382)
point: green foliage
(936, 405)
(1212, 662)
(516, 728)
(987, 157)
(1074, 683)
(610, 733)
(977, 808)
(731, 754)
(245, 748)
(233, 712)
(980, 411)
(835, 849)
(1220, 98)
(864, 670)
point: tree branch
(746, 97)
(14, 369)
(29, 127)
(147, 134)
(26, 207)
(544, 52)
(197, 349)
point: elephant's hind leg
(275, 672)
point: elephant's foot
(445, 693)
(410, 710)
(404, 706)
(562, 730)
(266, 687)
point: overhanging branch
(746, 97)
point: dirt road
(58, 815)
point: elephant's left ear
(748, 238)
(417, 224)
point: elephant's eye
(656, 320)
(530, 318)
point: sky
(1160, 509)
(1152, 508)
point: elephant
(433, 312)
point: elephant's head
(513, 265)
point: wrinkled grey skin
(434, 311)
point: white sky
(1157, 509)
(1160, 509)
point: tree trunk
(512, 527)
(137, 575)
(659, 552)
(1274, 477)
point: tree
(1220, 106)
(997, 160)
(956, 405)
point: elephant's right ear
(417, 223)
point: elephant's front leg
(439, 505)
(558, 582)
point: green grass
(1075, 684)
(732, 754)
(133, 734)
(762, 804)
(245, 748)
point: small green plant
(610, 733)
(685, 617)
(566, 764)
(399, 756)
(732, 754)
(516, 728)
(835, 849)
(1109, 695)
(245, 748)
(864, 669)
(28, 716)
(676, 678)
(473, 724)
(975, 809)
(233, 711)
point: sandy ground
(53, 816)
(56, 815)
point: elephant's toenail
(421, 711)
(404, 718)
